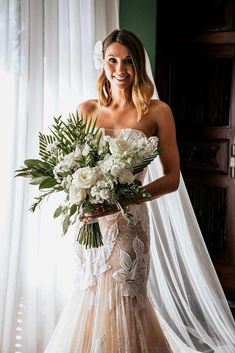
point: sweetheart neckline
(125, 128)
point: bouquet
(91, 169)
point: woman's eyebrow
(126, 57)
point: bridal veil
(183, 285)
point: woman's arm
(169, 156)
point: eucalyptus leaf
(47, 183)
(58, 212)
(24, 174)
(73, 209)
(38, 180)
(66, 224)
(31, 163)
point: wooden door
(196, 75)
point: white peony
(126, 177)
(85, 177)
(76, 195)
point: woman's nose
(121, 67)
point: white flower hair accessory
(98, 55)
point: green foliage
(35, 168)
(73, 210)
(140, 167)
(66, 224)
(58, 212)
(47, 183)
(44, 141)
(39, 199)
(67, 135)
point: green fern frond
(140, 167)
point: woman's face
(118, 66)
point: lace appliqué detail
(140, 214)
(93, 262)
(92, 301)
(99, 345)
(133, 273)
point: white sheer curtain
(46, 69)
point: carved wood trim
(205, 156)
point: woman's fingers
(100, 211)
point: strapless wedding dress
(109, 312)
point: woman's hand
(100, 211)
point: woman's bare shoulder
(160, 111)
(159, 106)
(88, 108)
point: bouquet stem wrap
(89, 235)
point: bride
(135, 295)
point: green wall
(140, 17)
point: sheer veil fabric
(183, 285)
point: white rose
(68, 161)
(126, 177)
(76, 195)
(85, 177)
(106, 164)
(119, 146)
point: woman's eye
(128, 61)
(112, 60)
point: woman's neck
(121, 98)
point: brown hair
(142, 88)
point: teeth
(121, 78)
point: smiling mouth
(121, 78)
